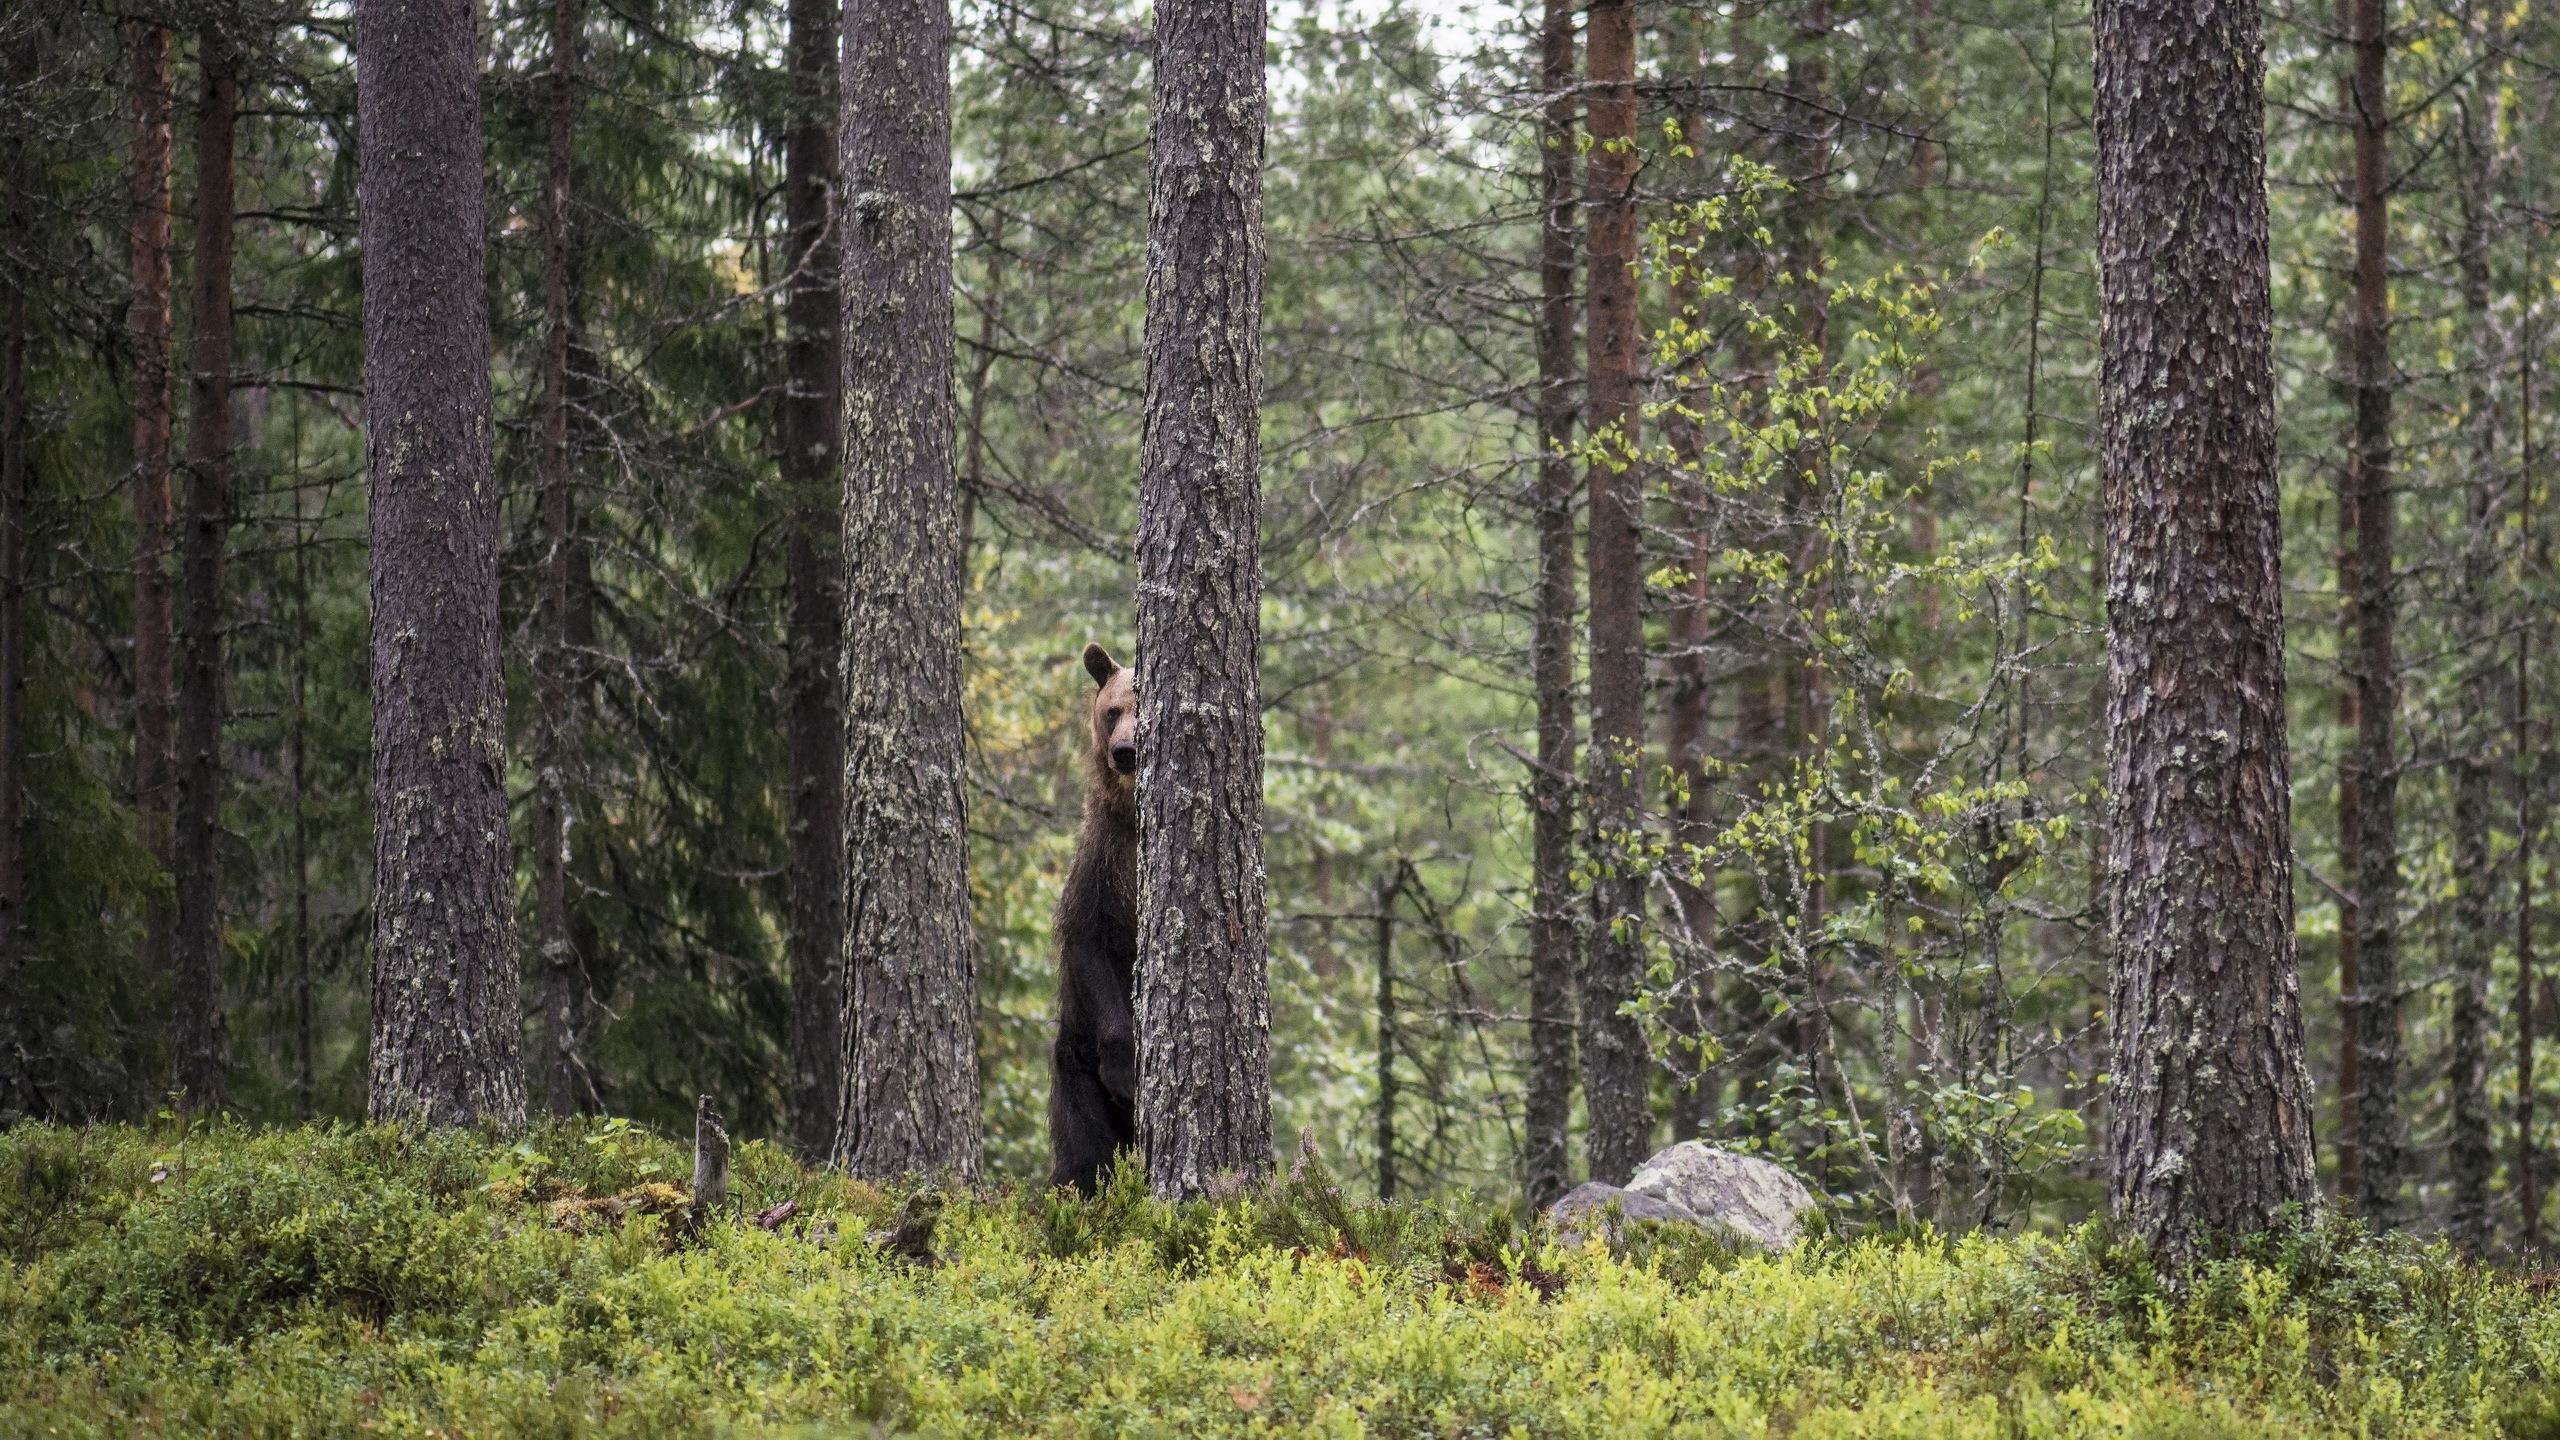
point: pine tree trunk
(1386, 1114)
(147, 327)
(17, 1095)
(910, 963)
(2350, 923)
(2528, 1157)
(559, 662)
(298, 783)
(1617, 1071)
(1547, 1161)
(2472, 1157)
(2210, 1111)
(2532, 772)
(201, 1049)
(446, 1025)
(2374, 670)
(1204, 997)
(811, 411)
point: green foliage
(339, 1280)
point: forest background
(1875, 628)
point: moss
(341, 1280)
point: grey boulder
(1739, 1197)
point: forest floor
(342, 1281)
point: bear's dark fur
(1093, 1096)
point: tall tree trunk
(559, 662)
(2350, 914)
(2528, 1156)
(811, 411)
(446, 1027)
(1386, 1117)
(2210, 1111)
(2473, 1159)
(1204, 989)
(910, 962)
(298, 780)
(17, 1093)
(201, 1050)
(1617, 1071)
(147, 328)
(2374, 670)
(1547, 1161)
(2531, 769)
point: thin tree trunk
(201, 1049)
(910, 963)
(2473, 1157)
(2374, 670)
(147, 327)
(1617, 1071)
(2530, 770)
(2528, 1156)
(298, 772)
(1386, 923)
(1547, 1161)
(2210, 1112)
(2350, 915)
(558, 661)
(811, 411)
(1204, 989)
(17, 1093)
(446, 1024)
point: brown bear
(1093, 1095)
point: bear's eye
(1111, 716)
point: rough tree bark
(2471, 1156)
(2210, 1111)
(2350, 1064)
(1547, 1161)
(298, 786)
(1617, 1072)
(1386, 1114)
(17, 1095)
(2527, 1156)
(1204, 996)
(910, 963)
(560, 659)
(2373, 668)
(811, 411)
(200, 1053)
(446, 1042)
(147, 328)
(2533, 771)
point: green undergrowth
(340, 1281)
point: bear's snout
(1124, 758)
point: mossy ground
(337, 1281)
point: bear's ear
(1099, 664)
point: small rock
(1739, 1196)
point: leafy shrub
(336, 1281)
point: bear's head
(1115, 723)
